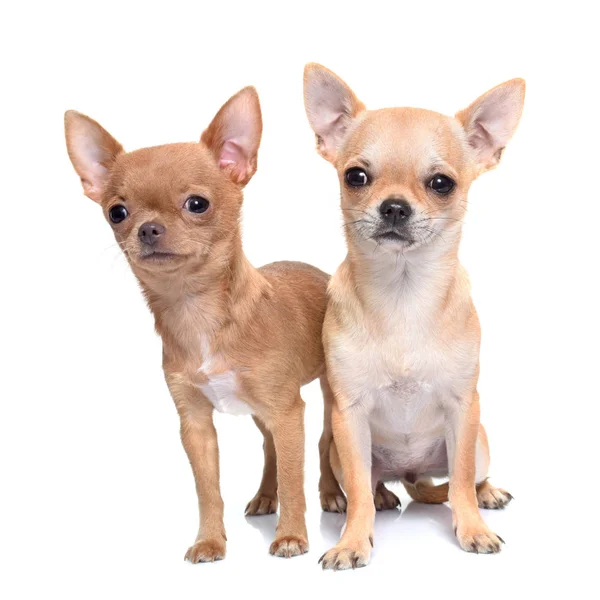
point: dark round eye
(117, 213)
(197, 204)
(356, 177)
(441, 184)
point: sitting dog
(401, 333)
(237, 339)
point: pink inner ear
(232, 155)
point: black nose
(150, 232)
(395, 212)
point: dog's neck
(410, 285)
(191, 305)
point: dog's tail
(425, 491)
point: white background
(97, 498)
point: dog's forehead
(411, 136)
(170, 166)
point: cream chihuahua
(237, 339)
(401, 333)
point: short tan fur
(235, 338)
(401, 333)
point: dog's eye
(117, 213)
(197, 204)
(356, 177)
(441, 184)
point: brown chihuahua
(235, 338)
(401, 333)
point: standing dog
(401, 333)
(235, 338)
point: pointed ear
(330, 106)
(92, 151)
(234, 135)
(491, 121)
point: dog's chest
(392, 367)
(400, 378)
(403, 406)
(222, 391)
(407, 423)
(219, 384)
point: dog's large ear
(234, 135)
(491, 121)
(92, 151)
(330, 106)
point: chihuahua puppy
(236, 339)
(401, 333)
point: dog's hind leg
(488, 496)
(330, 492)
(385, 499)
(265, 500)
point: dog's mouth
(160, 257)
(392, 235)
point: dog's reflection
(266, 524)
(388, 523)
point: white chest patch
(221, 390)
(222, 386)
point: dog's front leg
(199, 439)
(352, 436)
(287, 428)
(462, 429)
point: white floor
(109, 511)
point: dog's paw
(208, 550)
(490, 497)
(287, 546)
(333, 501)
(347, 555)
(384, 499)
(261, 505)
(479, 540)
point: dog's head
(405, 172)
(170, 205)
